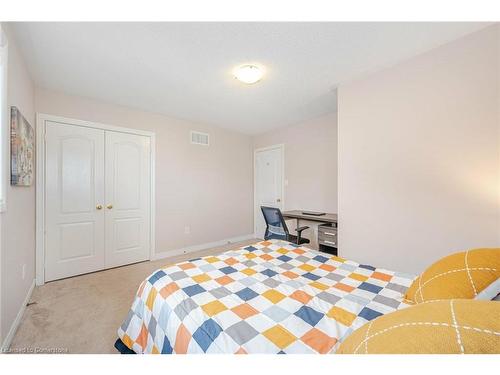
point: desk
(327, 232)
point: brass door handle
(109, 206)
(99, 207)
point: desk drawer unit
(327, 235)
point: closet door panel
(74, 190)
(127, 198)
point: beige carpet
(81, 314)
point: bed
(270, 297)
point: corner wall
(419, 157)
(18, 222)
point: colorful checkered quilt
(270, 297)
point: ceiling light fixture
(248, 73)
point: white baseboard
(194, 248)
(15, 324)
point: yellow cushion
(460, 275)
(441, 327)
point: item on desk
(312, 213)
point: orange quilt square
(319, 341)
(381, 276)
(224, 280)
(301, 296)
(327, 267)
(266, 257)
(186, 266)
(168, 289)
(290, 274)
(344, 287)
(230, 261)
(244, 311)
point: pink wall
(419, 157)
(209, 189)
(18, 222)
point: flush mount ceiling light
(248, 73)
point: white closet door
(127, 198)
(74, 190)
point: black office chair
(276, 227)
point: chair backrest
(275, 224)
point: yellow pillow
(438, 327)
(460, 275)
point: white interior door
(74, 190)
(127, 198)
(268, 184)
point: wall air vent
(198, 138)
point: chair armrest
(300, 229)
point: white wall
(310, 166)
(18, 222)
(419, 157)
(209, 189)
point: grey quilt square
(249, 263)
(386, 301)
(184, 308)
(396, 287)
(328, 297)
(303, 259)
(286, 266)
(270, 282)
(152, 326)
(178, 275)
(220, 292)
(334, 276)
(241, 332)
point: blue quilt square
(366, 266)
(247, 294)
(269, 273)
(207, 333)
(309, 315)
(250, 248)
(167, 348)
(156, 276)
(320, 258)
(193, 290)
(369, 314)
(284, 258)
(370, 287)
(311, 276)
(227, 270)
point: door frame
(256, 208)
(41, 119)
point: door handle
(109, 206)
(278, 200)
(99, 207)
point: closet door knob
(109, 206)
(99, 207)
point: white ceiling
(183, 70)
